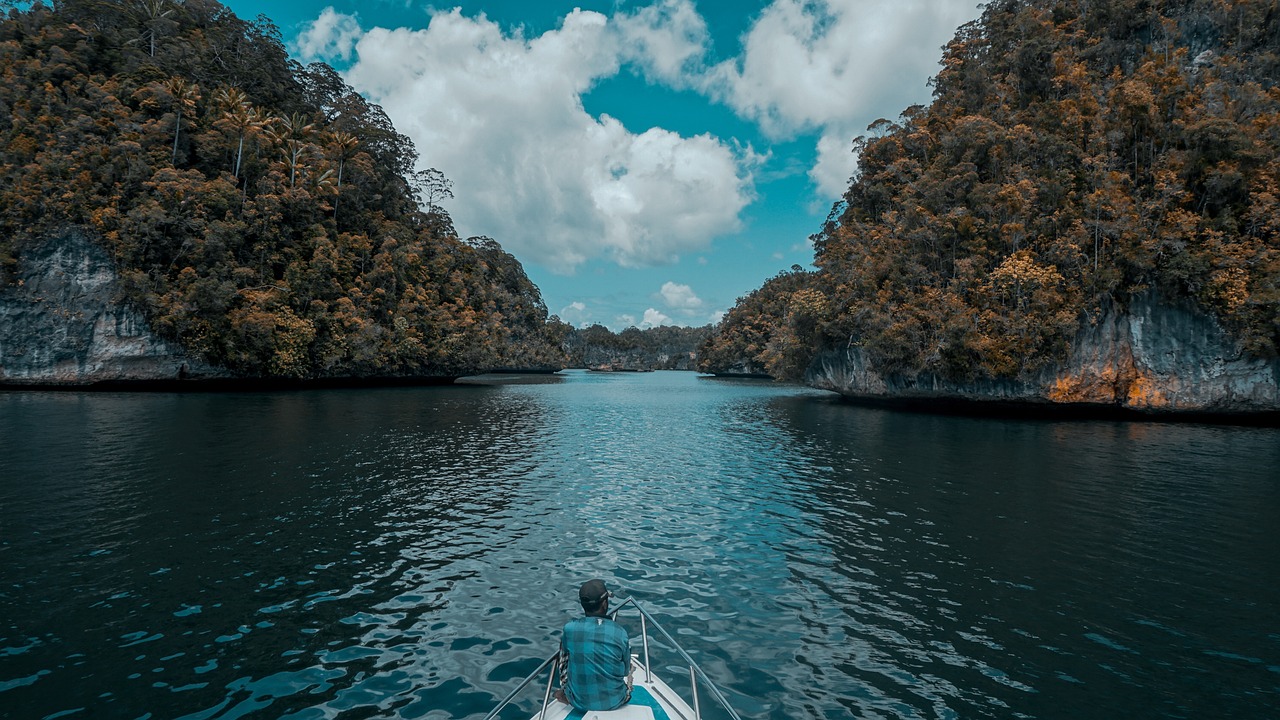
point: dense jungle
(1075, 155)
(262, 214)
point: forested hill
(1076, 156)
(262, 214)
(656, 348)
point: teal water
(413, 552)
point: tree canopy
(772, 326)
(261, 213)
(656, 348)
(1074, 155)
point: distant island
(656, 348)
(1086, 215)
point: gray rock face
(1157, 357)
(745, 368)
(62, 323)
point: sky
(647, 161)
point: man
(595, 655)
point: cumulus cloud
(332, 36)
(835, 66)
(653, 318)
(501, 115)
(576, 314)
(668, 40)
(680, 297)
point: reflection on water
(989, 567)
(413, 552)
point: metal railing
(695, 672)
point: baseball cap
(592, 592)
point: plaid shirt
(595, 664)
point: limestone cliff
(744, 368)
(1154, 357)
(62, 323)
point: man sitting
(595, 655)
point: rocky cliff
(1155, 357)
(62, 323)
(743, 368)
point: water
(413, 552)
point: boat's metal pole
(546, 697)
(676, 646)
(523, 684)
(693, 682)
(644, 636)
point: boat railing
(696, 673)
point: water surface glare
(413, 552)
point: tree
(342, 146)
(241, 118)
(1075, 155)
(293, 133)
(184, 96)
(153, 15)
(430, 186)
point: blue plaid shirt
(595, 656)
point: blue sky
(648, 161)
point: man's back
(599, 661)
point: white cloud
(836, 162)
(717, 316)
(576, 314)
(654, 318)
(501, 115)
(680, 297)
(331, 36)
(835, 66)
(625, 321)
(668, 39)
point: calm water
(413, 552)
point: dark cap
(591, 593)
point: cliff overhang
(64, 324)
(1156, 359)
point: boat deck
(651, 699)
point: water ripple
(412, 553)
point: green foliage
(1075, 154)
(657, 348)
(261, 213)
(774, 327)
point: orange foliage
(1074, 154)
(214, 171)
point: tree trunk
(177, 129)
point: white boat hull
(642, 682)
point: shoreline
(1048, 411)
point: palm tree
(294, 152)
(185, 96)
(343, 146)
(293, 133)
(294, 126)
(152, 13)
(240, 117)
